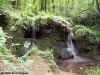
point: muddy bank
(79, 64)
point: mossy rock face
(51, 33)
(53, 28)
(47, 32)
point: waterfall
(32, 40)
(70, 43)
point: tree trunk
(45, 5)
(98, 6)
(53, 6)
(41, 4)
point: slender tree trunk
(53, 6)
(98, 6)
(33, 1)
(45, 5)
(48, 4)
(68, 2)
(42, 4)
(64, 6)
(93, 3)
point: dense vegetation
(84, 15)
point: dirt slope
(38, 67)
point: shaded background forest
(84, 15)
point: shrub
(48, 55)
(4, 52)
(87, 39)
(87, 32)
(93, 72)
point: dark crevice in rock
(3, 21)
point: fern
(48, 55)
(90, 33)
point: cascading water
(32, 41)
(70, 43)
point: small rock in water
(81, 68)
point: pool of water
(78, 62)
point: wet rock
(64, 53)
